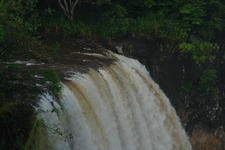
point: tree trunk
(68, 9)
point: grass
(62, 26)
(37, 138)
(145, 25)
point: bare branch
(64, 9)
(73, 7)
(68, 9)
(66, 5)
(75, 4)
(61, 5)
(71, 3)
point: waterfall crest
(115, 107)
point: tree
(68, 7)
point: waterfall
(113, 107)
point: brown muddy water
(71, 58)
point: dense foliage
(19, 90)
(170, 19)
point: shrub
(207, 82)
(186, 87)
(18, 95)
(51, 76)
(200, 51)
(145, 25)
(21, 45)
(115, 23)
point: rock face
(207, 140)
(119, 49)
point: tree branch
(68, 9)
(71, 3)
(73, 7)
(66, 5)
(61, 5)
(64, 9)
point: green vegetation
(199, 51)
(19, 25)
(18, 96)
(169, 19)
(186, 87)
(115, 23)
(50, 76)
(207, 82)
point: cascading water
(115, 107)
